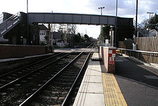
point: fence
(147, 48)
(145, 56)
(147, 43)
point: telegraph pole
(116, 23)
(136, 17)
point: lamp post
(101, 25)
(27, 24)
(101, 9)
(116, 23)
(27, 6)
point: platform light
(101, 25)
(101, 9)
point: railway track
(56, 90)
(16, 91)
(49, 79)
(7, 66)
(17, 74)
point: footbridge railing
(9, 23)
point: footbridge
(69, 18)
(9, 22)
(6, 24)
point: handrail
(140, 27)
(9, 23)
(13, 16)
(1, 18)
(140, 51)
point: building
(43, 34)
(57, 39)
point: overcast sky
(126, 8)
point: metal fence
(145, 56)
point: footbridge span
(11, 24)
(69, 18)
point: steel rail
(17, 79)
(28, 65)
(44, 85)
(63, 104)
(76, 80)
(90, 44)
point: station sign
(112, 55)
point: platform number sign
(112, 55)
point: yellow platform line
(112, 92)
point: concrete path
(91, 90)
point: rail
(151, 58)
(57, 74)
(44, 85)
(35, 70)
(66, 98)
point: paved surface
(112, 93)
(138, 83)
(133, 84)
(98, 88)
(91, 90)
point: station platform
(133, 84)
(98, 88)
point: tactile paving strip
(112, 92)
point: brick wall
(13, 51)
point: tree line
(151, 23)
(78, 38)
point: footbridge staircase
(7, 24)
